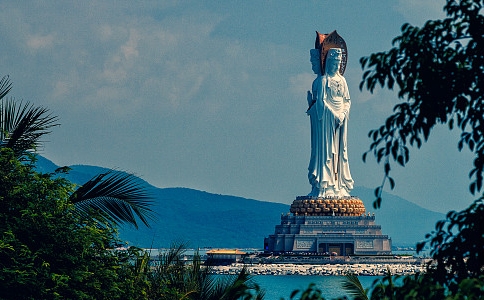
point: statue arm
(317, 97)
(347, 106)
(346, 99)
(310, 99)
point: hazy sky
(211, 95)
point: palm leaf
(196, 281)
(5, 86)
(352, 285)
(119, 197)
(174, 255)
(22, 126)
(234, 287)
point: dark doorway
(323, 248)
(335, 249)
(349, 249)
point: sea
(280, 287)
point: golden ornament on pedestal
(313, 206)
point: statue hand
(341, 118)
(310, 98)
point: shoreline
(321, 269)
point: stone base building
(328, 226)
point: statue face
(315, 65)
(332, 66)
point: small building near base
(224, 256)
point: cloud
(299, 84)
(129, 49)
(37, 42)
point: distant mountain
(45, 165)
(211, 220)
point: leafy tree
(116, 196)
(457, 245)
(56, 241)
(47, 251)
(437, 70)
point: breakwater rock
(322, 270)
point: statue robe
(329, 172)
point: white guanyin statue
(329, 107)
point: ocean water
(277, 287)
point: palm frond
(119, 196)
(174, 255)
(22, 125)
(5, 86)
(352, 285)
(234, 287)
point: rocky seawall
(322, 270)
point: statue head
(334, 56)
(325, 42)
(315, 60)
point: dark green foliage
(457, 246)
(422, 287)
(311, 293)
(413, 287)
(352, 285)
(238, 286)
(22, 125)
(171, 277)
(417, 287)
(46, 250)
(438, 72)
(116, 196)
